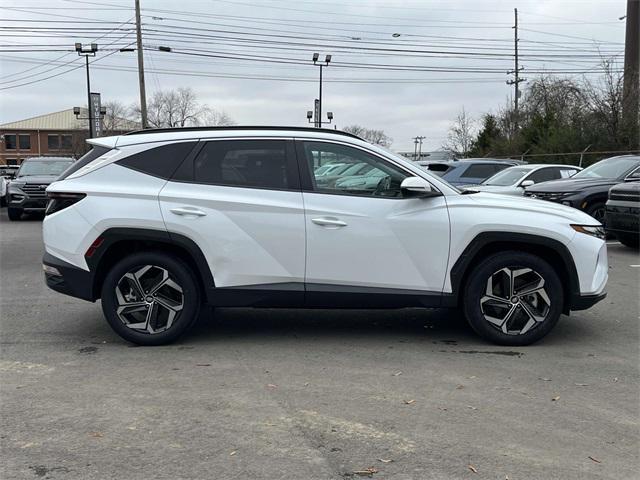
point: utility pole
(143, 94)
(631, 96)
(516, 71)
(418, 142)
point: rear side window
(241, 163)
(481, 170)
(86, 159)
(159, 161)
(544, 175)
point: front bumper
(622, 217)
(70, 280)
(584, 302)
(25, 202)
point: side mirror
(527, 183)
(418, 187)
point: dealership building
(58, 134)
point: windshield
(43, 167)
(614, 167)
(507, 177)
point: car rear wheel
(14, 213)
(513, 298)
(150, 298)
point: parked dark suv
(469, 171)
(623, 213)
(587, 190)
(27, 193)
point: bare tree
(461, 135)
(117, 119)
(372, 135)
(213, 117)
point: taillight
(61, 200)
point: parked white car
(156, 222)
(513, 180)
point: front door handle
(329, 222)
(184, 211)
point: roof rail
(242, 127)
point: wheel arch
(488, 243)
(116, 243)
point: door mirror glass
(527, 183)
(418, 187)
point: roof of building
(63, 120)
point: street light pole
(88, 52)
(327, 59)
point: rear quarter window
(160, 161)
(86, 159)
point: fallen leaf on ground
(233, 453)
(459, 387)
(594, 459)
(555, 399)
(409, 402)
(615, 379)
(544, 379)
(472, 376)
(203, 364)
(473, 469)
(472, 407)
(306, 384)
(96, 434)
(383, 460)
(397, 373)
(271, 385)
(581, 384)
(367, 471)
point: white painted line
(634, 266)
(613, 243)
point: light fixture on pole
(87, 52)
(327, 59)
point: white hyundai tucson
(155, 223)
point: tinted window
(243, 163)
(53, 142)
(544, 175)
(159, 161)
(66, 142)
(481, 170)
(25, 142)
(10, 142)
(367, 174)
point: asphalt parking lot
(292, 394)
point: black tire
(476, 289)
(629, 240)
(14, 213)
(179, 272)
(597, 211)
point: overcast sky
(407, 67)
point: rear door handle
(329, 222)
(184, 211)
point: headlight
(594, 231)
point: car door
(240, 201)
(367, 235)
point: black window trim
(195, 148)
(305, 173)
(293, 173)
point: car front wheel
(513, 298)
(150, 298)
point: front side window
(544, 175)
(243, 163)
(366, 174)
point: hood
(531, 205)
(572, 184)
(491, 188)
(36, 179)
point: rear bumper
(72, 281)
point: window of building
(24, 141)
(10, 142)
(53, 142)
(66, 141)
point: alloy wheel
(515, 300)
(149, 300)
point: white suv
(156, 222)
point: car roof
(188, 133)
